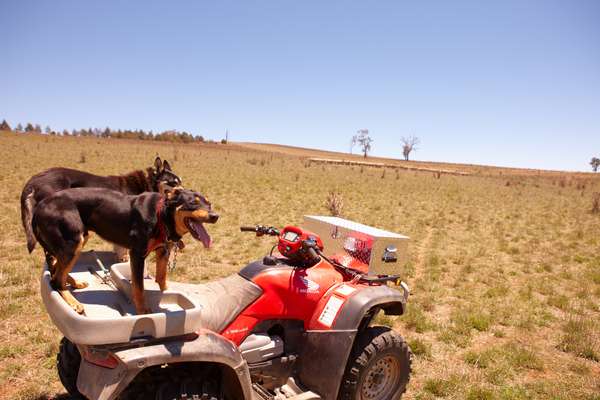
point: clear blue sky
(514, 83)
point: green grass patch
(581, 337)
(420, 348)
(442, 387)
(416, 319)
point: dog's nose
(212, 217)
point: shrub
(334, 203)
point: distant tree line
(166, 136)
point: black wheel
(378, 367)
(68, 360)
(175, 382)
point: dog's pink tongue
(201, 234)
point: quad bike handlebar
(261, 230)
(308, 248)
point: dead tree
(595, 163)
(364, 141)
(409, 144)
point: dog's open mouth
(198, 231)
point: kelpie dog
(141, 223)
(46, 183)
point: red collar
(160, 231)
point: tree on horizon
(409, 144)
(595, 163)
(364, 141)
(4, 126)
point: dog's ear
(167, 166)
(158, 164)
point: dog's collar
(161, 231)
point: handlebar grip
(247, 228)
(313, 254)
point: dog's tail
(27, 205)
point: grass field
(504, 271)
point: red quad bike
(294, 325)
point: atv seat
(222, 300)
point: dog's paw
(79, 284)
(79, 308)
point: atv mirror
(390, 255)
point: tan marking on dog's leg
(162, 260)
(62, 275)
(139, 302)
(75, 284)
(52, 266)
(136, 264)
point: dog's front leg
(162, 260)
(136, 260)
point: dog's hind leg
(162, 260)
(63, 267)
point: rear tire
(175, 382)
(378, 367)
(68, 361)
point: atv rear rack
(109, 313)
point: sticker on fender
(345, 290)
(330, 311)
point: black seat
(223, 300)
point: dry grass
(596, 203)
(505, 268)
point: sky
(510, 83)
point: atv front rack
(110, 316)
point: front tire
(378, 367)
(68, 361)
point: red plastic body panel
(299, 294)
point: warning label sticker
(345, 290)
(330, 311)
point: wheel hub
(381, 379)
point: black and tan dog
(44, 184)
(142, 224)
